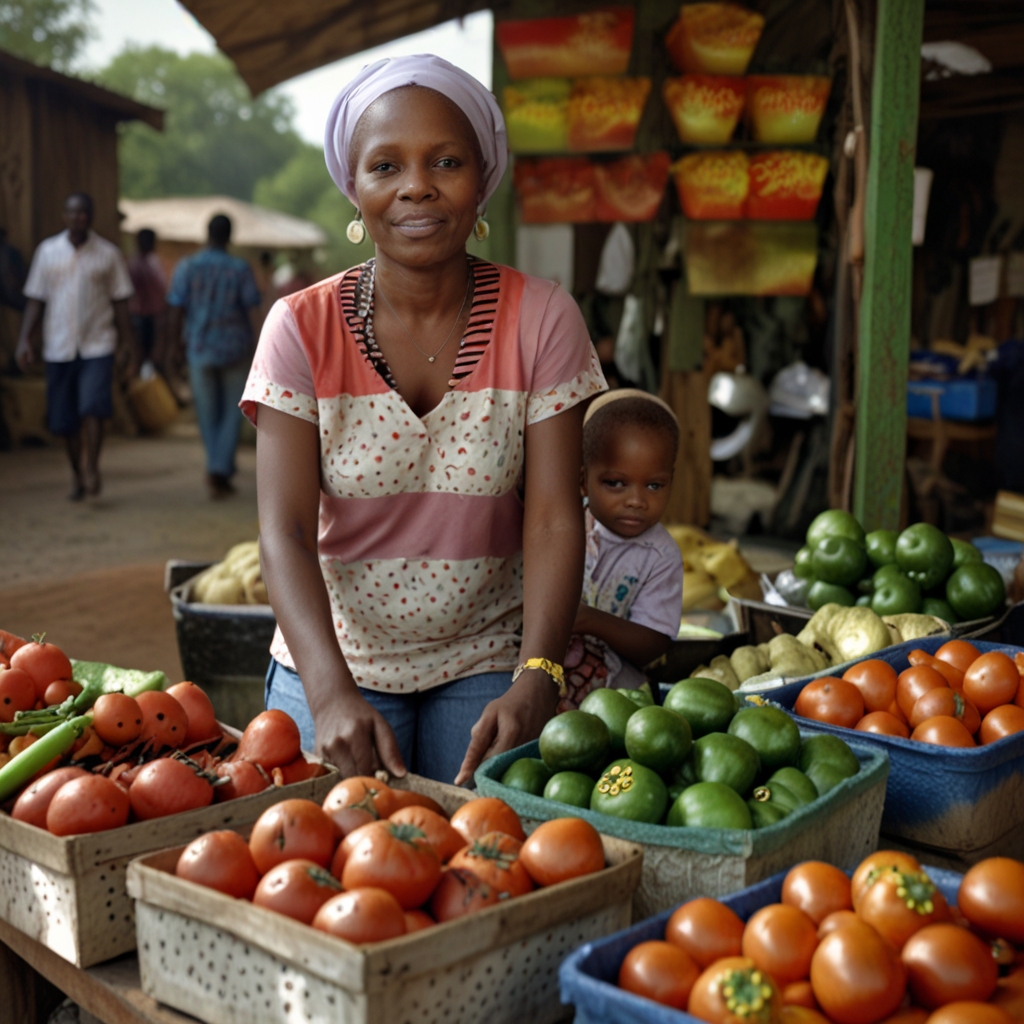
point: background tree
(217, 140)
(48, 32)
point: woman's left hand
(514, 718)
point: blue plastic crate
(959, 399)
(589, 977)
(965, 804)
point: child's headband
(613, 396)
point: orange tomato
(460, 892)
(880, 860)
(837, 919)
(781, 940)
(494, 859)
(362, 791)
(117, 718)
(34, 801)
(754, 996)
(487, 814)
(944, 732)
(876, 680)
(818, 889)
(958, 653)
(897, 904)
(221, 861)
(991, 897)
(407, 798)
(970, 1013)
(992, 680)
(950, 673)
(913, 683)
(362, 915)
(945, 701)
(883, 724)
(441, 836)
(397, 858)
(831, 700)
(562, 849)
(908, 1015)
(417, 920)
(202, 719)
(290, 830)
(946, 964)
(897, 712)
(659, 971)
(707, 929)
(799, 993)
(164, 720)
(1002, 721)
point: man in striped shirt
(79, 285)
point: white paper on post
(985, 274)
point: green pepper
(20, 770)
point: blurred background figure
(212, 297)
(147, 305)
(80, 286)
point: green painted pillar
(884, 337)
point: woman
(445, 473)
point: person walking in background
(79, 284)
(212, 294)
(147, 305)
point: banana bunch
(833, 636)
(236, 580)
(710, 567)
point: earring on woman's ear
(355, 232)
(481, 229)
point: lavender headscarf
(476, 102)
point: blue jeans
(432, 728)
(216, 392)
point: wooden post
(885, 305)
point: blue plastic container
(959, 399)
(589, 977)
(964, 804)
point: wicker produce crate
(954, 806)
(224, 648)
(589, 977)
(225, 960)
(68, 892)
(679, 863)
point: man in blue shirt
(213, 293)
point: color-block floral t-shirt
(421, 519)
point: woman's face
(418, 175)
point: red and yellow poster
(705, 108)
(786, 109)
(714, 38)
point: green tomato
(709, 805)
(834, 522)
(839, 560)
(685, 775)
(719, 757)
(765, 814)
(885, 573)
(575, 742)
(614, 710)
(925, 554)
(771, 732)
(706, 704)
(822, 751)
(881, 547)
(964, 552)
(797, 783)
(895, 595)
(658, 739)
(573, 788)
(529, 774)
(802, 566)
(778, 794)
(940, 609)
(975, 591)
(825, 775)
(822, 593)
(866, 586)
(628, 790)
(641, 696)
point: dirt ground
(91, 574)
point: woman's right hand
(356, 738)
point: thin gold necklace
(430, 358)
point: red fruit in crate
(271, 739)
(221, 861)
(290, 830)
(34, 802)
(202, 719)
(297, 889)
(43, 662)
(164, 720)
(245, 778)
(167, 786)
(90, 804)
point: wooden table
(29, 974)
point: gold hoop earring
(481, 229)
(355, 232)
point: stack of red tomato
(374, 863)
(957, 697)
(882, 946)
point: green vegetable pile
(920, 570)
(702, 760)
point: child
(633, 578)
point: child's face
(628, 487)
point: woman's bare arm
(552, 581)
(637, 644)
(349, 732)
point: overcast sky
(167, 23)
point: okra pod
(20, 770)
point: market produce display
(957, 697)
(918, 570)
(238, 579)
(373, 862)
(834, 635)
(882, 945)
(85, 747)
(702, 760)
(713, 570)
